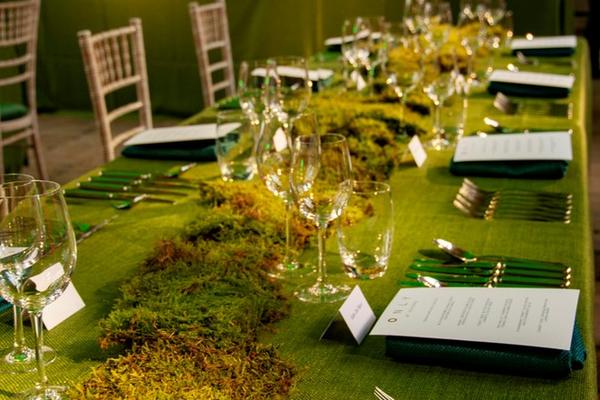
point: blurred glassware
(364, 258)
(414, 16)
(439, 84)
(289, 89)
(253, 79)
(438, 20)
(236, 136)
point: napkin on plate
(546, 46)
(520, 360)
(544, 169)
(198, 150)
(229, 103)
(530, 84)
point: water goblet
(321, 184)
(38, 255)
(236, 135)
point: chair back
(211, 35)
(18, 48)
(115, 60)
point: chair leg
(38, 151)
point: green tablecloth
(423, 209)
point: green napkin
(519, 360)
(517, 89)
(511, 169)
(200, 150)
(229, 103)
(10, 111)
(548, 52)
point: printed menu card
(526, 317)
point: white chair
(211, 35)
(115, 60)
(18, 46)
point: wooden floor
(72, 147)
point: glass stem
(288, 237)
(38, 332)
(321, 274)
(19, 337)
(437, 120)
(402, 108)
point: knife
(144, 175)
(112, 187)
(508, 262)
(95, 194)
(489, 265)
(140, 182)
(459, 269)
(519, 280)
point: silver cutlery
(381, 395)
(94, 228)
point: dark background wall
(258, 28)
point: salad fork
(381, 395)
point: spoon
(467, 257)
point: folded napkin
(10, 111)
(554, 169)
(229, 103)
(546, 46)
(201, 150)
(520, 360)
(4, 305)
(530, 84)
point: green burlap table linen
(511, 169)
(423, 210)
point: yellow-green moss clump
(187, 323)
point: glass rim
(378, 187)
(54, 187)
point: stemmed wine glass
(253, 80)
(38, 255)
(414, 18)
(439, 84)
(273, 159)
(438, 19)
(20, 358)
(321, 184)
(404, 78)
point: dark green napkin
(548, 52)
(199, 150)
(515, 360)
(554, 169)
(229, 103)
(517, 89)
(10, 111)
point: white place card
(357, 314)
(67, 304)
(526, 317)
(533, 78)
(358, 80)
(545, 42)
(417, 151)
(515, 146)
(175, 134)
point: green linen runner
(423, 209)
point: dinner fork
(381, 395)
(567, 197)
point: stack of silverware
(460, 268)
(513, 204)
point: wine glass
(439, 78)
(414, 19)
(38, 255)
(289, 88)
(349, 52)
(273, 159)
(404, 78)
(438, 19)
(321, 184)
(253, 80)
(20, 358)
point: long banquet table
(423, 209)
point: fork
(381, 395)
(491, 211)
(568, 197)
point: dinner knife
(141, 182)
(459, 269)
(508, 262)
(112, 187)
(520, 280)
(96, 194)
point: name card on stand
(357, 318)
(417, 151)
(67, 304)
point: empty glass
(236, 136)
(365, 244)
